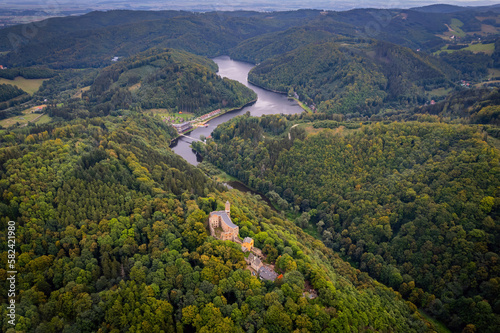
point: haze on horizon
(209, 5)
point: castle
(221, 226)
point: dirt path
(289, 135)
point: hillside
(353, 78)
(260, 48)
(158, 78)
(415, 205)
(208, 34)
(113, 238)
(8, 92)
(385, 191)
(92, 40)
(476, 106)
(443, 8)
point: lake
(267, 103)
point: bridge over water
(189, 137)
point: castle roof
(254, 259)
(266, 274)
(225, 218)
(247, 240)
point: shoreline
(301, 104)
(213, 117)
(229, 110)
(271, 90)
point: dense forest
(385, 192)
(92, 40)
(8, 91)
(112, 234)
(407, 28)
(360, 78)
(172, 79)
(99, 37)
(416, 205)
(369, 69)
(158, 78)
(477, 106)
(472, 66)
(27, 73)
(63, 86)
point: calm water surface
(267, 103)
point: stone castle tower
(221, 226)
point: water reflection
(267, 103)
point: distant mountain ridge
(446, 8)
(93, 39)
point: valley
(359, 152)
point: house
(247, 244)
(255, 262)
(221, 226)
(267, 274)
(181, 128)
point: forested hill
(477, 106)
(445, 9)
(406, 28)
(416, 205)
(172, 79)
(8, 92)
(111, 228)
(111, 225)
(92, 40)
(208, 34)
(260, 48)
(347, 77)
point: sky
(205, 5)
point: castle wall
(229, 231)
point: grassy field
(456, 24)
(454, 30)
(44, 119)
(79, 93)
(134, 87)
(493, 72)
(439, 92)
(24, 119)
(29, 85)
(487, 29)
(223, 177)
(27, 116)
(440, 328)
(486, 48)
(177, 117)
(310, 129)
(215, 173)
(341, 130)
(303, 106)
(476, 48)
